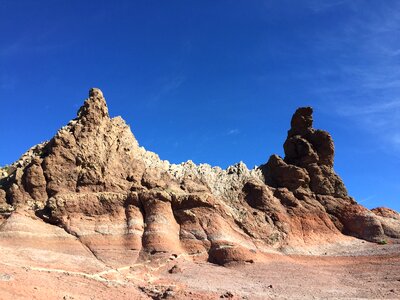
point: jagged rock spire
(94, 110)
(308, 161)
(306, 145)
(301, 122)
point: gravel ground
(353, 271)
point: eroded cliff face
(125, 204)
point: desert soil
(357, 271)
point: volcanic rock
(126, 205)
(389, 220)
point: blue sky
(212, 81)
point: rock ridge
(125, 204)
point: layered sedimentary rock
(125, 204)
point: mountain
(92, 197)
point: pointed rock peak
(95, 93)
(302, 121)
(305, 145)
(94, 110)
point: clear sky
(212, 81)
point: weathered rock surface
(390, 221)
(307, 169)
(126, 205)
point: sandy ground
(361, 271)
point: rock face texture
(125, 204)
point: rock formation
(126, 204)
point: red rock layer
(125, 204)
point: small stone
(169, 292)
(250, 261)
(5, 277)
(175, 269)
(227, 295)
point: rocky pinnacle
(125, 204)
